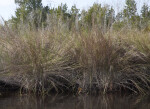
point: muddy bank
(50, 83)
(61, 84)
(9, 86)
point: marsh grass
(86, 61)
(30, 58)
(109, 63)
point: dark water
(74, 102)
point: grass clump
(110, 64)
(37, 60)
(44, 60)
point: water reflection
(74, 102)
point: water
(74, 102)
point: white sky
(8, 7)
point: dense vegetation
(94, 50)
(31, 13)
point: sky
(8, 7)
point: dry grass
(107, 63)
(30, 57)
(42, 60)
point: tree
(99, 16)
(130, 9)
(95, 15)
(21, 13)
(145, 14)
(145, 11)
(74, 12)
(62, 12)
(119, 16)
(30, 12)
(30, 4)
(74, 20)
(110, 17)
(130, 14)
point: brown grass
(42, 60)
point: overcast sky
(8, 7)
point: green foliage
(34, 15)
(118, 25)
(130, 13)
(74, 12)
(30, 4)
(145, 11)
(130, 9)
(62, 12)
(30, 12)
(103, 17)
(110, 17)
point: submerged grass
(44, 60)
